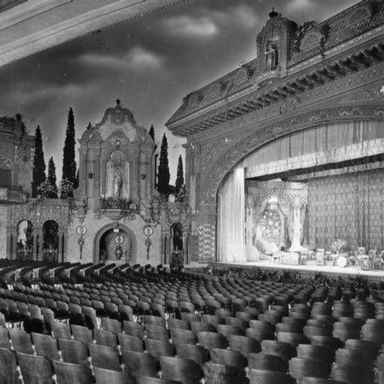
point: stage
(371, 276)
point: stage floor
(329, 271)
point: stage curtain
(231, 216)
(348, 207)
(316, 139)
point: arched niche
(24, 240)
(117, 182)
(106, 240)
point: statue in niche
(117, 176)
(272, 55)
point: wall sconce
(142, 175)
(90, 175)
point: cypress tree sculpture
(180, 175)
(69, 162)
(152, 132)
(76, 184)
(163, 181)
(38, 173)
(51, 179)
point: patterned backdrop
(348, 207)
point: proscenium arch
(226, 162)
(99, 234)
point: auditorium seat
(134, 329)
(156, 332)
(223, 374)
(177, 324)
(35, 369)
(4, 338)
(197, 327)
(60, 329)
(370, 348)
(332, 343)
(316, 353)
(351, 374)
(299, 368)
(293, 328)
(278, 348)
(140, 364)
(126, 312)
(190, 317)
(292, 338)
(112, 325)
(105, 375)
(179, 369)
(228, 330)
(259, 376)
(72, 373)
(8, 367)
(267, 362)
(21, 341)
(81, 333)
(73, 351)
(182, 336)
(129, 342)
(197, 353)
(212, 319)
(318, 380)
(244, 344)
(310, 331)
(45, 345)
(107, 338)
(104, 357)
(158, 348)
(353, 357)
(212, 340)
(228, 357)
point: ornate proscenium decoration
(148, 231)
(81, 230)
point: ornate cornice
(344, 60)
(289, 105)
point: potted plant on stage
(339, 252)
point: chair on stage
(320, 257)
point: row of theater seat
(270, 315)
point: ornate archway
(111, 237)
(209, 183)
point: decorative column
(64, 255)
(34, 254)
(14, 245)
(207, 219)
(40, 242)
(9, 243)
(296, 228)
(299, 199)
(60, 248)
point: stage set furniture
(373, 260)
